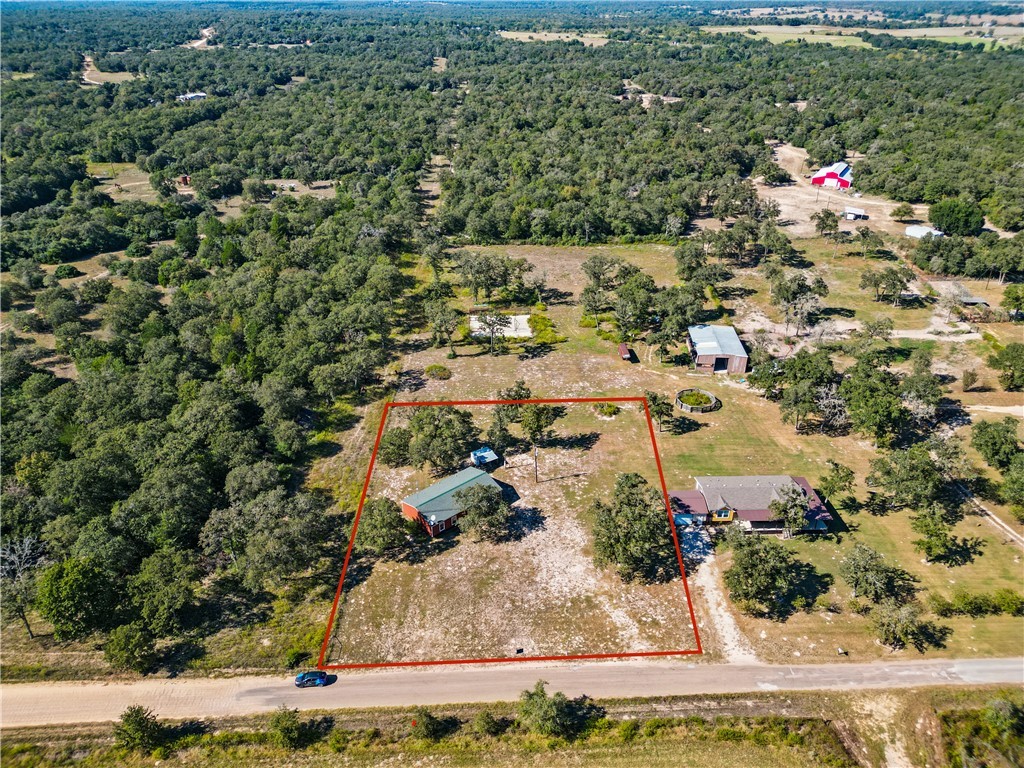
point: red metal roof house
(435, 507)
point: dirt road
(53, 703)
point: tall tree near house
(512, 411)
(629, 533)
(441, 436)
(661, 407)
(798, 402)
(871, 577)
(485, 514)
(761, 573)
(831, 407)
(839, 479)
(790, 508)
(536, 419)
(381, 527)
(493, 322)
(953, 299)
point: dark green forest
(166, 473)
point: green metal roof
(448, 486)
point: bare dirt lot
(123, 181)
(591, 41)
(799, 200)
(538, 593)
(92, 76)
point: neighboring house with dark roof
(688, 507)
(435, 508)
(746, 499)
(717, 349)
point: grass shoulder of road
(792, 729)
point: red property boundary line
(567, 657)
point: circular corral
(695, 400)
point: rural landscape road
(56, 703)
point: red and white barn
(836, 176)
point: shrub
(487, 724)
(629, 730)
(138, 729)
(426, 726)
(295, 656)
(65, 271)
(285, 728)
(130, 646)
(607, 409)
(438, 372)
(588, 321)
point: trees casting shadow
(524, 521)
(960, 551)
(582, 441)
(682, 425)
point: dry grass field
(537, 593)
(92, 76)
(591, 41)
(1004, 36)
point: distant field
(1006, 36)
(595, 41)
(92, 76)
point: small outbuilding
(854, 214)
(717, 349)
(917, 231)
(435, 507)
(192, 96)
(836, 176)
(484, 457)
(624, 351)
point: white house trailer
(192, 96)
(917, 231)
(854, 214)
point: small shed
(435, 507)
(917, 231)
(854, 214)
(717, 349)
(483, 457)
(624, 352)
